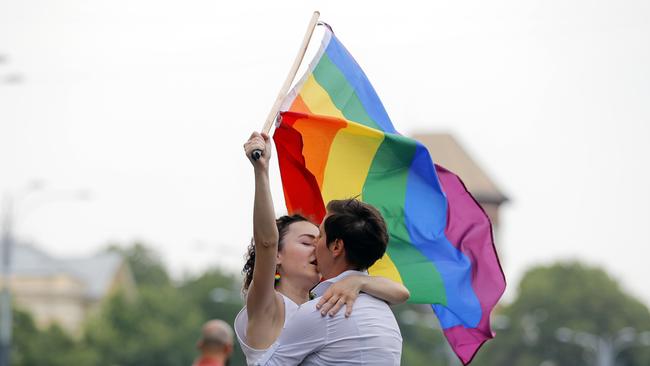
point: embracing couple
(280, 325)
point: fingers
(348, 308)
(330, 304)
(257, 138)
(323, 300)
(261, 137)
(326, 303)
(337, 306)
(253, 145)
(257, 141)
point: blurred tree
(162, 324)
(145, 264)
(157, 328)
(215, 292)
(570, 295)
(50, 347)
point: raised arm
(263, 306)
(345, 292)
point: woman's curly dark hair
(282, 223)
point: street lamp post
(7, 244)
(8, 241)
(5, 294)
(604, 348)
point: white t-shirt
(254, 355)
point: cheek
(299, 254)
(288, 254)
(308, 250)
(319, 250)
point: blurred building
(447, 152)
(66, 291)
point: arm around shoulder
(346, 291)
(386, 289)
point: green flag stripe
(385, 188)
(341, 92)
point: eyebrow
(308, 235)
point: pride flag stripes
(335, 140)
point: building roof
(95, 272)
(447, 152)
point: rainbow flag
(335, 140)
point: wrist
(364, 281)
(261, 169)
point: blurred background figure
(216, 344)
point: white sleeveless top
(254, 355)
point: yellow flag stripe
(350, 158)
(318, 100)
(385, 267)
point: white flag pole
(287, 83)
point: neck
(215, 355)
(337, 269)
(296, 292)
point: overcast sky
(147, 105)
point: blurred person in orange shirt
(215, 344)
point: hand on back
(343, 292)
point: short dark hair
(283, 224)
(362, 229)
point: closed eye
(308, 239)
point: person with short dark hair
(282, 267)
(215, 344)
(353, 236)
(361, 227)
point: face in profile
(297, 258)
(324, 257)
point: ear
(337, 248)
(228, 349)
(278, 259)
